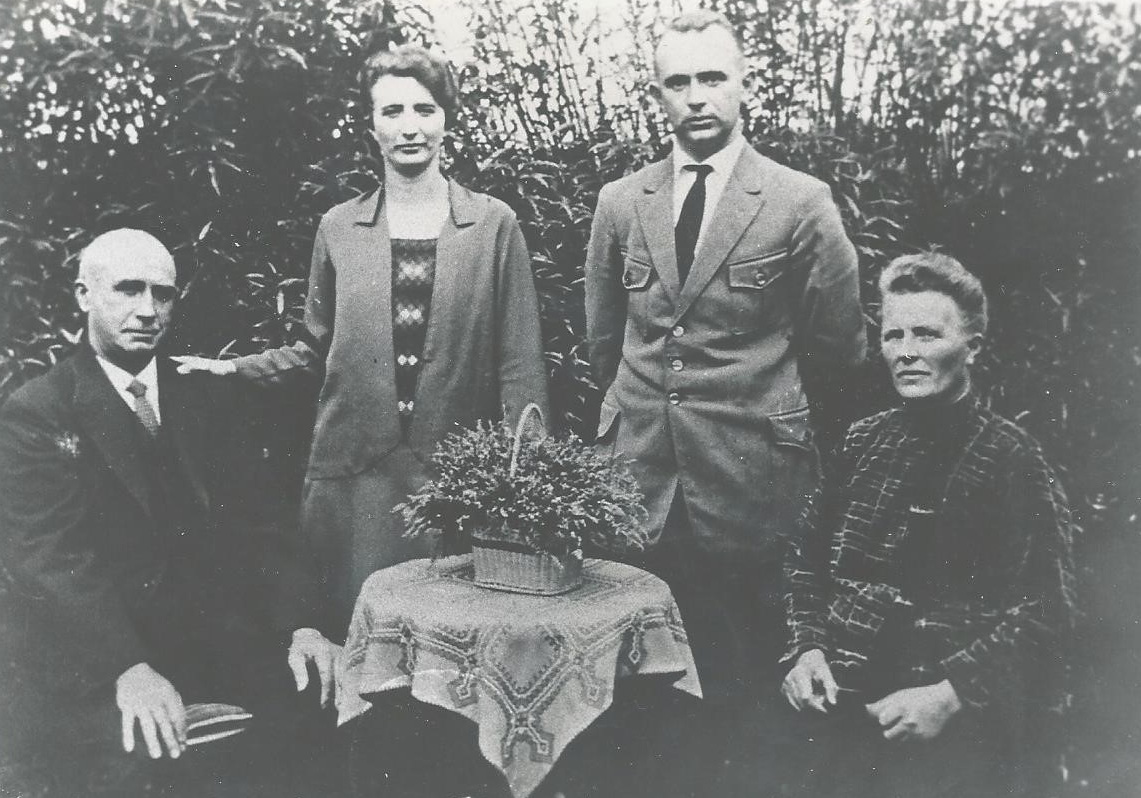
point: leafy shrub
(1004, 133)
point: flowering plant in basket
(560, 495)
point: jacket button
(674, 397)
(678, 331)
(677, 364)
(760, 276)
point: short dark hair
(695, 22)
(934, 271)
(433, 72)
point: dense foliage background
(1006, 133)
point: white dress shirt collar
(121, 378)
(724, 161)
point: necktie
(143, 408)
(689, 220)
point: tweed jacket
(996, 589)
(702, 380)
(92, 556)
(482, 356)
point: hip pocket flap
(792, 429)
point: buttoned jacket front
(702, 382)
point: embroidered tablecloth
(531, 671)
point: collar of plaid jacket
(941, 418)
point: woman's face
(408, 122)
(927, 346)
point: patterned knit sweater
(938, 546)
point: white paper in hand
(208, 722)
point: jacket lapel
(655, 214)
(450, 262)
(111, 425)
(740, 203)
(181, 417)
(369, 258)
(372, 257)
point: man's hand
(810, 682)
(190, 363)
(143, 694)
(309, 645)
(917, 713)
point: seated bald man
(143, 580)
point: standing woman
(421, 315)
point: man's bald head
(126, 286)
(119, 245)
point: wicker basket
(536, 572)
(507, 566)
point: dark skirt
(350, 524)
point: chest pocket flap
(636, 274)
(758, 272)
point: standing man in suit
(143, 578)
(712, 277)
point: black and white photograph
(570, 399)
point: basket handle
(519, 427)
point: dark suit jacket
(702, 380)
(103, 578)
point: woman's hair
(934, 271)
(433, 72)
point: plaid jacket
(997, 594)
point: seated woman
(931, 579)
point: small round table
(531, 671)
